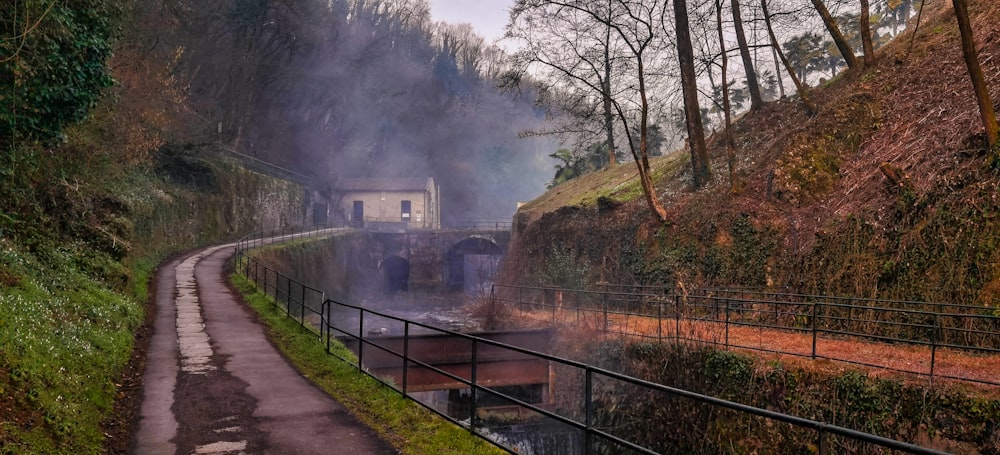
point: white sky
(488, 17)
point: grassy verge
(406, 425)
(64, 335)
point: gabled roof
(385, 184)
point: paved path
(213, 384)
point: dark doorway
(319, 214)
(358, 214)
(471, 265)
(395, 274)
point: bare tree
(799, 87)
(866, 34)
(976, 72)
(692, 111)
(753, 86)
(579, 53)
(838, 38)
(629, 31)
(726, 106)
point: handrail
(961, 327)
(590, 429)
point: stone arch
(471, 264)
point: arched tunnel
(395, 273)
(471, 264)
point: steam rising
(365, 88)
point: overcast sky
(487, 17)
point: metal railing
(962, 328)
(301, 302)
(480, 225)
(580, 414)
(581, 417)
(264, 167)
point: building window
(405, 210)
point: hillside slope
(813, 208)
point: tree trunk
(692, 111)
(976, 72)
(752, 84)
(777, 73)
(726, 107)
(838, 38)
(644, 169)
(810, 106)
(866, 34)
(606, 89)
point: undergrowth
(945, 417)
(65, 336)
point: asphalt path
(213, 384)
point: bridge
(434, 260)
(429, 356)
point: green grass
(406, 425)
(63, 335)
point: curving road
(213, 384)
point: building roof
(385, 184)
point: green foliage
(729, 367)
(53, 66)
(737, 254)
(902, 259)
(64, 335)
(574, 165)
(951, 416)
(563, 269)
(811, 162)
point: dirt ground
(907, 362)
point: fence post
(814, 330)
(474, 392)
(677, 317)
(659, 321)
(288, 295)
(588, 389)
(934, 337)
(361, 338)
(726, 301)
(820, 446)
(265, 283)
(406, 352)
(604, 308)
(302, 304)
(325, 323)
(556, 298)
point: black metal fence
(300, 302)
(660, 314)
(580, 416)
(480, 225)
(580, 412)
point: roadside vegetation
(955, 418)
(871, 196)
(406, 425)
